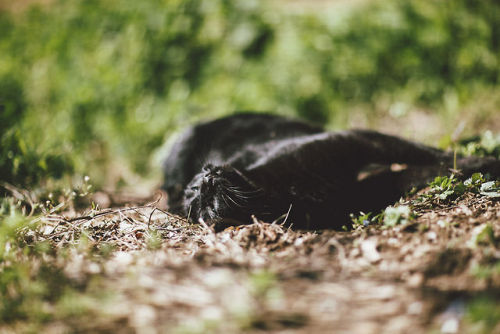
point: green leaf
(490, 189)
(397, 215)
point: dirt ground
(163, 275)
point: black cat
(226, 170)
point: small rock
(450, 326)
(369, 249)
(432, 236)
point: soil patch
(164, 274)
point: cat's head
(220, 196)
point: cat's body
(226, 170)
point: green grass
(89, 85)
(482, 314)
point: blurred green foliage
(92, 84)
(486, 144)
(482, 314)
(35, 286)
(19, 161)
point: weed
(391, 216)
(445, 189)
(487, 144)
(366, 219)
(401, 214)
(490, 189)
(482, 314)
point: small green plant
(448, 188)
(475, 182)
(490, 189)
(363, 219)
(394, 215)
(262, 282)
(22, 165)
(486, 271)
(35, 284)
(483, 235)
(391, 216)
(487, 144)
(153, 240)
(366, 219)
(483, 312)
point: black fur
(226, 170)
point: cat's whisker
(233, 201)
